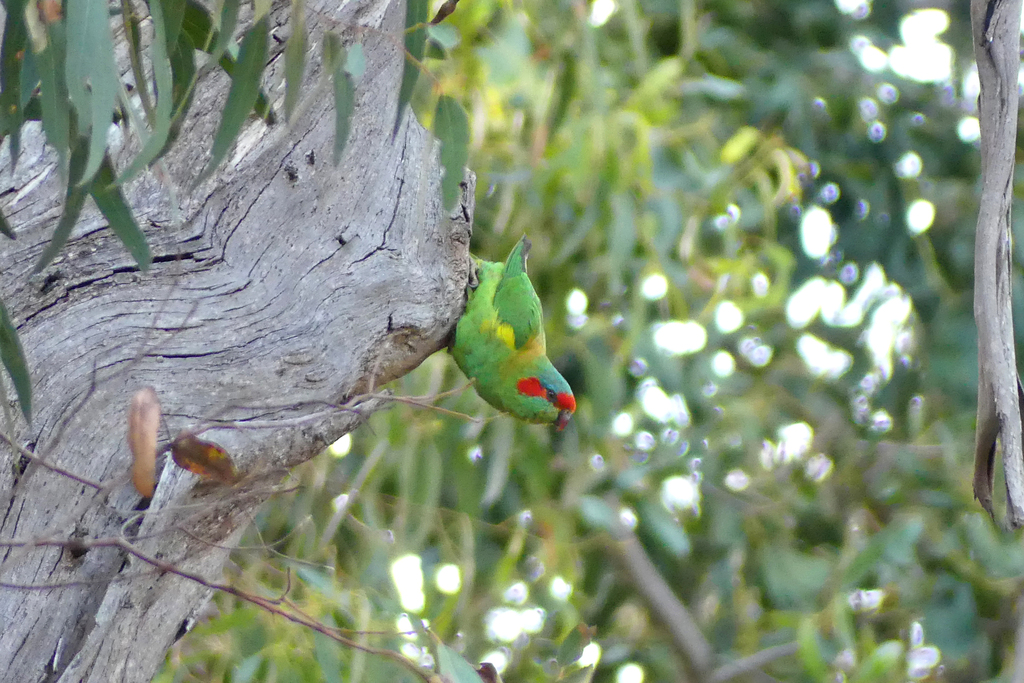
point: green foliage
(246, 74)
(453, 667)
(57, 65)
(295, 58)
(13, 359)
(451, 126)
(415, 43)
(336, 61)
(783, 426)
(779, 423)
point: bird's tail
(515, 264)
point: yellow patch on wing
(502, 331)
(506, 334)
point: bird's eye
(551, 396)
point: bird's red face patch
(566, 402)
(531, 386)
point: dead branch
(996, 30)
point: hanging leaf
(204, 458)
(355, 65)
(163, 76)
(572, 646)
(29, 85)
(451, 126)
(73, 201)
(226, 27)
(262, 106)
(183, 70)
(107, 195)
(584, 675)
(133, 36)
(174, 20)
(199, 27)
(143, 427)
(295, 58)
(92, 75)
(445, 35)
(15, 42)
(14, 362)
(198, 23)
(453, 667)
(415, 42)
(5, 227)
(344, 92)
(245, 86)
(53, 93)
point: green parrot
(499, 343)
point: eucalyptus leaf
(245, 87)
(14, 47)
(91, 75)
(163, 75)
(453, 667)
(54, 95)
(451, 126)
(74, 199)
(295, 58)
(5, 227)
(356, 62)
(445, 35)
(415, 44)
(111, 202)
(13, 358)
(344, 96)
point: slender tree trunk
(281, 288)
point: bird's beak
(563, 419)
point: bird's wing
(516, 305)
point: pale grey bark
(996, 31)
(283, 286)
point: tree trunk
(281, 288)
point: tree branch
(686, 636)
(272, 605)
(996, 30)
(753, 662)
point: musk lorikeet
(499, 343)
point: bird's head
(547, 397)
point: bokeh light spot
(654, 287)
(920, 216)
(728, 317)
(679, 338)
(448, 579)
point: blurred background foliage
(753, 228)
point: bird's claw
(474, 278)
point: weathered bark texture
(996, 30)
(283, 286)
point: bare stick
(756, 661)
(996, 29)
(690, 644)
(269, 604)
(25, 453)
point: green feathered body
(499, 343)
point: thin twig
(267, 604)
(1017, 675)
(690, 644)
(753, 662)
(444, 11)
(364, 472)
(24, 452)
